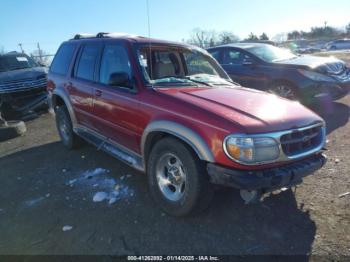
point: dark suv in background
(22, 84)
(297, 77)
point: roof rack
(101, 35)
(83, 35)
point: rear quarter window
(63, 58)
(85, 68)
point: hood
(324, 65)
(22, 74)
(250, 110)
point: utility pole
(20, 46)
(40, 53)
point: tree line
(322, 32)
(210, 38)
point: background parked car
(338, 44)
(22, 84)
(277, 70)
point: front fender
(187, 135)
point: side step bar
(132, 159)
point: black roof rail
(80, 36)
(101, 34)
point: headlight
(315, 76)
(251, 150)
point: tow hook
(251, 196)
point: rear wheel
(285, 90)
(65, 129)
(177, 179)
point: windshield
(271, 53)
(164, 65)
(14, 62)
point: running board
(121, 153)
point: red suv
(169, 110)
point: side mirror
(120, 79)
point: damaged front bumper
(319, 91)
(266, 180)
(22, 101)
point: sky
(51, 22)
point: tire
(285, 90)
(65, 129)
(12, 129)
(185, 188)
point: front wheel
(284, 90)
(177, 179)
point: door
(116, 106)
(243, 69)
(81, 86)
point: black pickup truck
(22, 84)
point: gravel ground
(340, 54)
(54, 201)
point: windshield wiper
(18, 68)
(187, 78)
(213, 78)
(197, 81)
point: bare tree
(2, 50)
(263, 36)
(226, 37)
(252, 37)
(41, 57)
(203, 38)
(347, 29)
(280, 37)
(209, 38)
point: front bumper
(268, 179)
(23, 101)
(326, 90)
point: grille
(301, 141)
(22, 85)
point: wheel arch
(161, 128)
(283, 80)
(59, 98)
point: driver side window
(114, 60)
(234, 57)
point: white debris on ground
(67, 228)
(344, 194)
(33, 202)
(99, 196)
(105, 188)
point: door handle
(98, 92)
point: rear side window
(85, 68)
(114, 60)
(61, 62)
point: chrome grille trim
(16, 86)
(277, 137)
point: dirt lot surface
(49, 204)
(343, 55)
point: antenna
(148, 20)
(149, 36)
